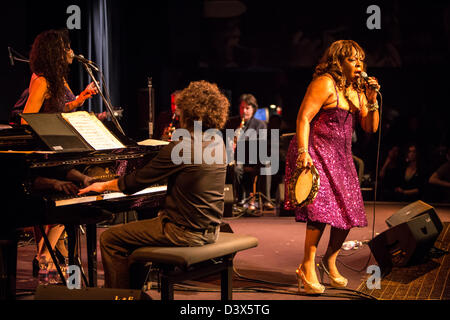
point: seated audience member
(410, 184)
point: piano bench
(177, 264)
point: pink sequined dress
(339, 201)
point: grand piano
(22, 153)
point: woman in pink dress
(335, 100)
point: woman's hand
(372, 88)
(91, 86)
(304, 160)
(87, 93)
(399, 190)
(102, 116)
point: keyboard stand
(52, 254)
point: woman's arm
(37, 95)
(369, 113)
(434, 179)
(318, 93)
(87, 93)
(44, 183)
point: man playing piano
(194, 204)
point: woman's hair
(48, 59)
(203, 101)
(250, 100)
(331, 61)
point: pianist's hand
(65, 186)
(95, 187)
(87, 180)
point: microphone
(82, 59)
(11, 58)
(366, 78)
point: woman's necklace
(351, 105)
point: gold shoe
(310, 288)
(338, 282)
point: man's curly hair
(203, 101)
(331, 61)
(48, 59)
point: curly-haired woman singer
(49, 91)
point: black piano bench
(177, 264)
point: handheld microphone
(82, 59)
(366, 78)
(11, 58)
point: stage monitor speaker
(404, 244)
(229, 200)
(413, 210)
(59, 292)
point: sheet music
(92, 130)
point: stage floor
(267, 272)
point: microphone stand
(107, 103)
(12, 57)
(151, 110)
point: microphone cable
(380, 110)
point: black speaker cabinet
(413, 210)
(404, 244)
(56, 292)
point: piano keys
(74, 200)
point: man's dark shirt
(247, 137)
(195, 192)
(255, 124)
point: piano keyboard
(106, 196)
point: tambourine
(304, 186)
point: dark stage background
(268, 48)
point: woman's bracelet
(302, 150)
(373, 106)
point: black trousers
(245, 177)
(118, 242)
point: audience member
(409, 186)
(441, 180)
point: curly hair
(48, 59)
(331, 61)
(203, 101)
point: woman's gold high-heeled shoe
(310, 288)
(338, 282)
